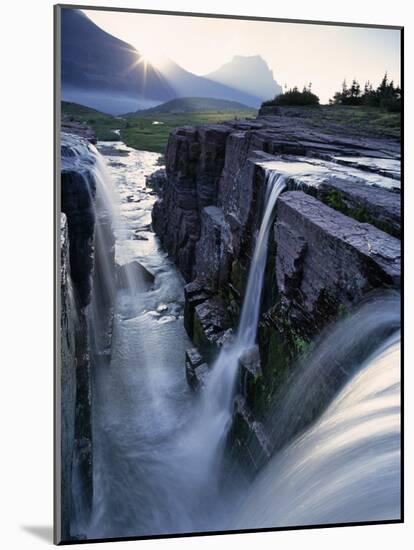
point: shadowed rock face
(77, 198)
(325, 260)
(335, 239)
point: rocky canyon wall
(80, 281)
(335, 240)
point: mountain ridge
(105, 73)
(263, 85)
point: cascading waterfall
(220, 387)
(158, 448)
(344, 468)
(215, 414)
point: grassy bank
(145, 131)
(149, 131)
(359, 120)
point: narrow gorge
(223, 319)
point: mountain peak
(238, 73)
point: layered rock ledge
(335, 238)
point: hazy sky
(297, 53)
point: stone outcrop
(156, 180)
(335, 238)
(70, 125)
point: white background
(26, 306)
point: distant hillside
(149, 130)
(250, 74)
(194, 105)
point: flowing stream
(158, 447)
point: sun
(152, 55)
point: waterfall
(344, 468)
(94, 219)
(158, 447)
(207, 435)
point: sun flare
(152, 55)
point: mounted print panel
(228, 274)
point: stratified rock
(215, 234)
(194, 161)
(380, 207)
(326, 260)
(72, 126)
(211, 326)
(320, 263)
(195, 293)
(196, 369)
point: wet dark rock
(194, 161)
(247, 438)
(213, 165)
(77, 196)
(134, 275)
(196, 369)
(195, 293)
(250, 360)
(156, 180)
(138, 236)
(211, 327)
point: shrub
(295, 97)
(386, 95)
